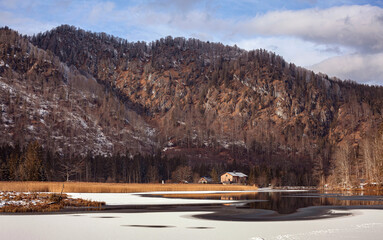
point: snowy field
(137, 199)
(363, 224)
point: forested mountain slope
(214, 103)
(66, 111)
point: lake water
(287, 202)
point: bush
(55, 198)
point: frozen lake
(179, 222)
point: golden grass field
(91, 187)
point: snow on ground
(16, 198)
(365, 224)
(137, 199)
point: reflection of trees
(286, 204)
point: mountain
(202, 101)
(44, 99)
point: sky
(341, 38)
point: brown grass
(89, 187)
(44, 202)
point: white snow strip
(137, 199)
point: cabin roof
(206, 178)
(237, 174)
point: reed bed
(91, 187)
(13, 202)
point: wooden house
(233, 177)
(205, 180)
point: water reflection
(289, 202)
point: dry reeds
(91, 187)
(43, 202)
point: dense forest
(205, 103)
(34, 163)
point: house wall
(226, 178)
(202, 180)
(235, 179)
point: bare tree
(182, 173)
(343, 165)
(70, 167)
(152, 174)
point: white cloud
(347, 41)
(292, 49)
(355, 26)
(363, 68)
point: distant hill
(78, 92)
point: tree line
(35, 163)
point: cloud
(347, 41)
(363, 68)
(292, 49)
(355, 26)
